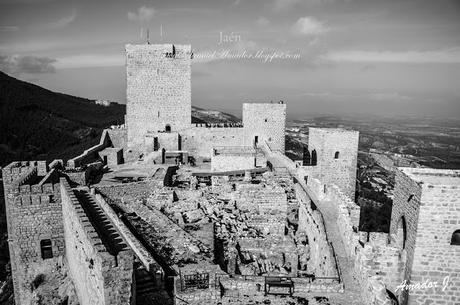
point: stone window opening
(336, 155)
(306, 160)
(455, 240)
(313, 157)
(46, 248)
(266, 120)
(168, 128)
(401, 233)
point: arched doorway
(455, 239)
(401, 233)
(313, 157)
(306, 156)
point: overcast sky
(391, 57)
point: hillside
(37, 123)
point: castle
(163, 211)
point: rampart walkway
(352, 294)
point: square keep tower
(158, 89)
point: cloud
(8, 28)
(62, 22)
(143, 14)
(309, 26)
(262, 22)
(17, 64)
(413, 57)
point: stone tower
(334, 154)
(425, 224)
(158, 89)
(265, 122)
(35, 228)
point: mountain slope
(36, 123)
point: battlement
(27, 176)
(219, 125)
(331, 131)
(433, 177)
(233, 150)
(18, 166)
(31, 200)
(171, 51)
(23, 172)
(96, 253)
(46, 188)
(347, 206)
(77, 209)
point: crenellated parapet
(47, 188)
(219, 125)
(100, 263)
(34, 215)
(347, 206)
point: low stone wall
(321, 262)
(222, 163)
(317, 187)
(118, 137)
(100, 278)
(334, 194)
(236, 286)
(368, 259)
(90, 153)
(130, 191)
(199, 141)
(141, 252)
(268, 207)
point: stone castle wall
(199, 141)
(91, 154)
(321, 262)
(33, 214)
(340, 171)
(158, 89)
(222, 163)
(268, 207)
(99, 277)
(371, 266)
(118, 137)
(130, 191)
(431, 257)
(266, 121)
(404, 213)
